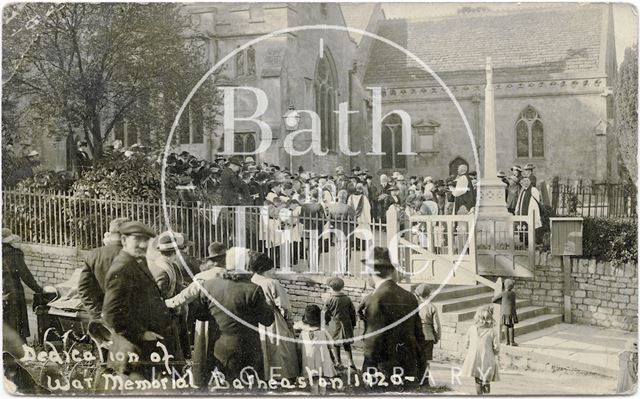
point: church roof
(357, 15)
(551, 40)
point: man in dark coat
(96, 266)
(230, 183)
(82, 157)
(401, 345)
(133, 304)
(14, 273)
(238, 346)
(312, 216)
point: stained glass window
(537, 139)
(529, 134)
(326, 86)
(522, 132)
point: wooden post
(566, 271)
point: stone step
(468, 313)
(537, 323)
(459, 291)
(466, 302)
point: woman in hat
(360, 203)
(316, 356)
(275, 351)
(340, 316)
(14, 273)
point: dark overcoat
(133, 304)
(340, 316)
(400, 346)
(238, 345)
(230, 187)
(14, 305)
(92, 277)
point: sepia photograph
(319, 198)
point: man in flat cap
(96, 266)
(133, 304)
(399, 346)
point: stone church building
(554, 66)
(553, 70)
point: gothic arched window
(529, 134)
(326, 93)
(392, 143)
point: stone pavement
(575, 346)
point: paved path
(587, 348)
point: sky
(625, 17)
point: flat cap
(136, 228)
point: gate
(458, 250)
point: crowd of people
(146, 298)
(136, 287)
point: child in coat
(481, 361)
(316, 357)
(430, 325)
(340, 318)
(509, 316)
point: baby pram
(59, 312)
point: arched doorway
(453, 165)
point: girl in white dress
(483, 345)
(316, 357)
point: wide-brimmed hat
(8, 237)
(170, 240)
(400, 178)
(136, 228)
(33, 153)
(516, 167)
(380, 258)
(336, 283)
(312, 315)
(501, 174)
(529, 166)
(216, 250)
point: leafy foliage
(46, 181)
(94, 65)
(626, 110)
(136, 177)
(614, 240)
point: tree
(626, 111)
(88, 68)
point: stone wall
(545, 289)
(604, 295)
(601, 294)
(51, 265)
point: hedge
(614, 240)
